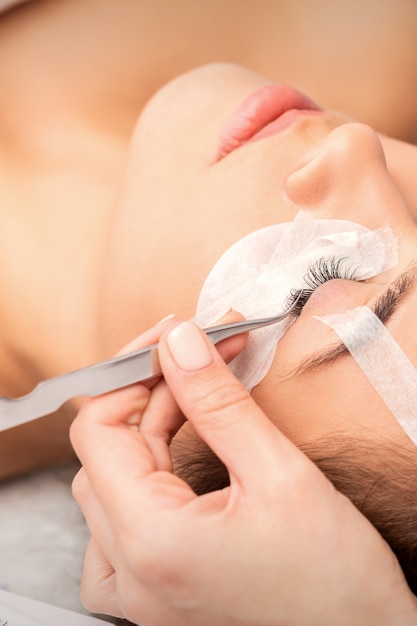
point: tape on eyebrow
(382, 360)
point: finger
(98, 583)
(156, 413)
(221, 410)
(149, 337)
(155, 422)
(99, 417)
(96, 519)
(115, 457)
(122, 407)
(118, 458)
(230, 348)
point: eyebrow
(384, 307)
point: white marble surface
(42, 538)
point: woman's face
(206, 170)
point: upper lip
(259, 109)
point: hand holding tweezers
(120, 371)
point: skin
(67, 310)
(115, 287)
(141, 45)
(160, 554)
(325, 164)
(63, 143)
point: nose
(344, 178)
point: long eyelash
(318, 273)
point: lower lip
(266, 112)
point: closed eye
(384, 307)
(318, 273)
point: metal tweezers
(121, 371)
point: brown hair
(379, 478)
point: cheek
(336, 398)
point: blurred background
(359, 56)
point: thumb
(221, 410)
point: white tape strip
(382, 360)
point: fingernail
(188, 347)
(164, 319)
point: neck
(55, 217)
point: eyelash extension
(318, 273)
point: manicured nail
(164, 319)
(188, 347)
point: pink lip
(265, 112)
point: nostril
(339, 171)
(310, 185)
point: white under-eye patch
(256, 275)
